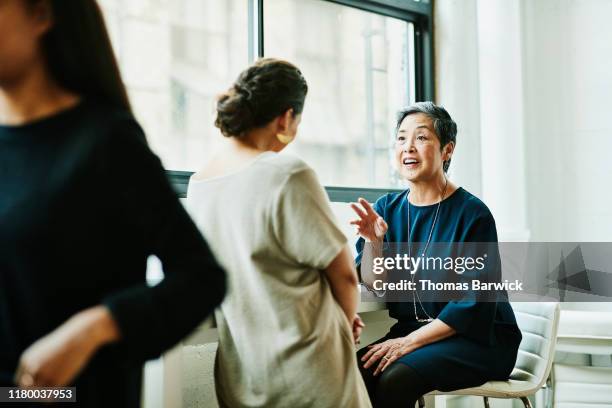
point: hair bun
(234, 113)
(261, 93)
(243, 91)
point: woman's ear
(284, 120)
(447, 151)
(42, 13)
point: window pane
(360, 71)
(175, 57)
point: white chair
(539, 324)
(589, 332)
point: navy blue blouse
(462, 217)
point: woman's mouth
(410, 163)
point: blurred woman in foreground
(75, 232)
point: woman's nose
(408, 147)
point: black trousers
(398, 386)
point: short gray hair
(444, 126)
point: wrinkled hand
(388, 352)
(358, 326)
(56, 359)
(370, 225)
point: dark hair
(79, 54)
(444, 126)
(262, 92)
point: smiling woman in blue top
(434, 345)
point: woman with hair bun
(288, 325)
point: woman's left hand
(358, 326)
(388, 351)
(56, 359)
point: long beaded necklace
(414, 298)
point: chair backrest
(539, 322)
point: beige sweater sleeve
(303, 222)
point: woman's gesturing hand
(388, 352)
(371, 226)
(56, 359)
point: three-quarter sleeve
(474, 315)
(303, 223)
(379, 207)
(147, 210)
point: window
(175, 57)
(360, 70)
(363, 60)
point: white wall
(568, 106)
(529, 83)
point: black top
(83, 203)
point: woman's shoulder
(470, 204)
(111, 118)
(286, 163)
(104, 124)
(288, 178)
(283, 168)
(390, 200)
(116, 139)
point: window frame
(180, 182)
(417, 12)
